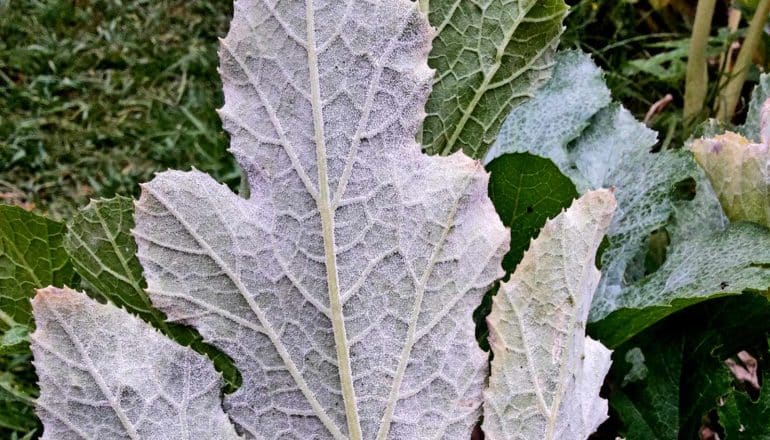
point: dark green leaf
(526, 190)
(15, 340)
(707, 266)
(488, 57)
(31, 257)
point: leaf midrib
(326, 213)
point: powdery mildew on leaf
(344, 287)
(489, 56)
(546, 373)
(607, 147)
(105, 374)
(545, 122)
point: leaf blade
(539, 386)
(31, 255)
(105, 396)
(324, 128)
(477, 85)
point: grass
(97, 95)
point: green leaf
(103, 252)
(17, 392)
(669, 222)
(743, 417)
(489, 56)
(648, 403)
(15, 340)
(686, 380)
(719, 264)
(31, 256)
(526, 190)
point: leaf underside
(546, 374)
(106, 374)
(344, 287)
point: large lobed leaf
(106, 374)
(489, 56)
(344, 287)
(546, 374)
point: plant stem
(729, 95)
(696, 84)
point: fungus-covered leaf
(106, 374)
(103, 253)
(344, 287)
(546, 373)
(489, 56)
(663, 194)
(760, 94)
(559, 112)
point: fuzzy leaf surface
(344, 287)
(489, 56)
(106, 374)
(659, 194)
(545, 122)
(103, 253)
(546, 373)
(760, 94)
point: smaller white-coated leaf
(105, 374)
(546, 374)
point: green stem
(731, 93)
(696, 84)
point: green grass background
(97, 95)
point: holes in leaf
(685, 189)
